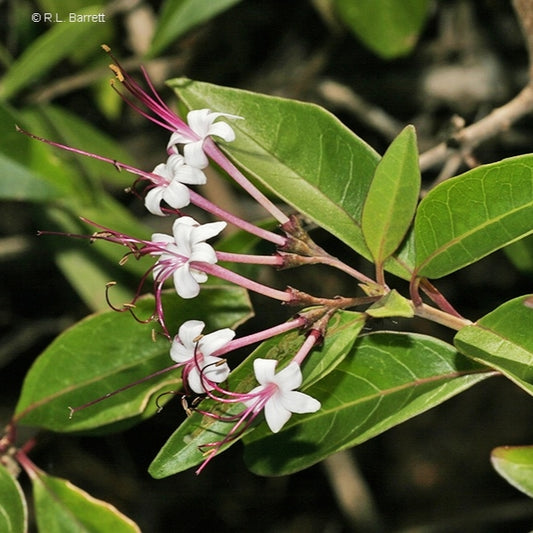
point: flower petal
(185, 284)
(198, 275)
(177, 195)
(215, 369)
(298, 402)
(199, 121)
(203, 253)
(190, 175)
(195, 381)
(189, 331)
(194, 154)
(289, 378)
(179, 137)
(222, 130)
(162, 171)
(212, 342)
(152, 201)
(276, 414)
(264, 370)
(202, 232)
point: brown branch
(524, 12)
(500, 119)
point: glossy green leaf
(387, 379)
(474, 214)
(61, 507)
(300, 152)
(181, 452)
(388, 27)
(392, 197)
(13, 509)
(520, 254)
(502, 340)
(45, 51)
(179, 16)
(515, 464)
(109, 350)
(391, 305)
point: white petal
(185, 284)
(163, 171)
(179, 353)
(189, 331)
(152, 201)
(289, 378)
(298, 402)
(214, 341)
(190, 175)
(199, 121)
(276, 414)
(194, 154)
(195, 381)
(215, 370)
(222, 130)
(177, 195)
(161, 237)
(198, 275)
(178, 138)
(203, 253)
(174, 163)
(203, 232)
(264, 370)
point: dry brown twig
(501, 118)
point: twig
(85, 78)
(371, 115)
(352, 493)
(499, 120)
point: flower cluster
(187, 259)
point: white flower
(194, 349)
(186, 246)
(282, 400)
(202, 122)
(170, 187)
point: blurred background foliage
(377, 65)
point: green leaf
(324, 173)
(59, 125)
(109, 350)
(13, 508)
(515, 464)
(502, 340)
(61, 507)
(89, 267)
(25, 166)
(179, 16)
(388, 27)
(391, 305)
(387, 379)
(181, 452)
(19, 183)
(474, 214)
(45, 51)
(520, 253)
(392, 197)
